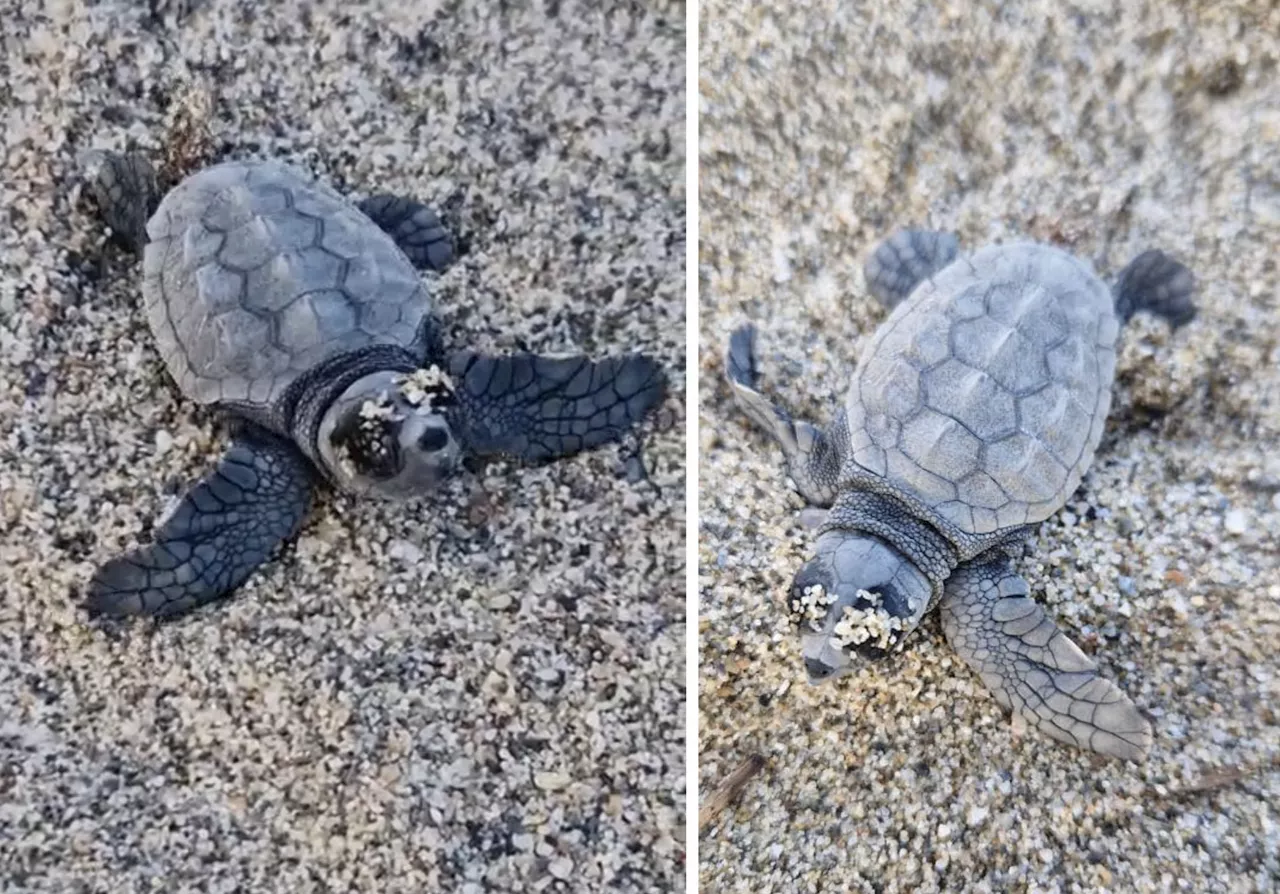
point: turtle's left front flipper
(225, 527)
(1030, 665)
(538, 408)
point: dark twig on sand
(1217, 779)
(728, 791)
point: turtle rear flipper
(414, 227)
(127, 191)
(1031, 667)
(539, 408)
(813, 456)
(224, 528)
(906, 259)
(1158, 284)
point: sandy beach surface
(483, 691)
(1106, 128)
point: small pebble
(550, 781)
(404, 551)
(1236, 521)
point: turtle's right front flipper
(127, 191)
(813, 456)
(224, 528)
(1031, 667)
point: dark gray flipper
(906, 259)
(127, 191)
(414, 227)
(225, 527)
(1158, 284)
(539, 408)
(813, 456)
(1031, 667)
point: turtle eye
(434, 439)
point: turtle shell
(985, 392)
(255, 273)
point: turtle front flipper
(1031, 667)
(906, 259)
(538, 408)
(127, 192)
(813, 456)
(225, 527)
(414, 227)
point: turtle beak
(818, 671)
(823, 661)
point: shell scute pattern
(247, 245)
(993, 410)
(255, 273)
(380, 315)
(221, 287)
(227, 209)
(343, 238)
(272, 284)
(995, 429)
(293, 232)
(936, 440)
(970, 304)
(269, 199)
(1001, 352)
(898, 386)
(201, 245)
(980, 491)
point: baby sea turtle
(972, 418)
(302, 316)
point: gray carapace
(303, 317)
(972, 418)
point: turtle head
(856, 600)
(388, 434)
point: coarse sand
(481, 691)
(1106, 128)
